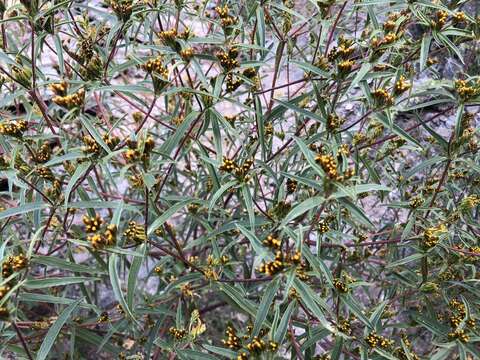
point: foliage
(239, 179)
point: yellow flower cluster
(464, 90)
(90, 145)
(401, 85)
(99, 239)
(256, 345)
(432, 235)
(10, 265)
(92, 224)
(169, 37)
(59, 88)
(122, 8)
(441, 19)
(135, 233)
(241, 172)
(345, 66)
(280, 262)
(344, 50)
(187, 290)
(232, 82)
(45, 173)
(416, 202)
(111, 141)
(103, 318)
(228, 59)
(110, 234)
(469, 202)
(138, 151)
(334, 121)
(70, 101)
(271, 268)
(197, 326)
(374, 340)
(223, 13)
(328, 164)
(187, 54)
(232, 340)
(457, 316)
(291, 186)
(210, 274)
(193, 208)
(43, 154)
(155, 65)
(388, 39)
(272, 242)
(340, 285)
(14, 128)
(250, 72)
(13, 264)
(459, 334)
(344, 326)
(178, 334)
(401, 353)
(158, 270)
(382, 97)
(459, 17)
(323, 227)
(55, 191)
(4, 290)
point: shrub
(239, 179)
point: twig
(294, 341)
(332, 30)
(22, 340)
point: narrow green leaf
(308, 297)
(42, 298)
(290, 105)
(65, 265)
(239, 298)
(115, 281)
(424, 50)
(256, 244)
(230, 354)
(309, 156)
(423, 165)
(355, 308)
(364, 69)
(54, 330)
(267, 301)
(307, 67)
(405, 260)
(377, 313)
(357, 212)
(174, 140)
(94, 133)
(56, 281)
(79, 172)
(303, 207)
(318, 265)
(283, 325)
(247, 197)
(218, 194)
(167, 215)
(459, 121)
(189, 354)
(133, 274)
(22, 209)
